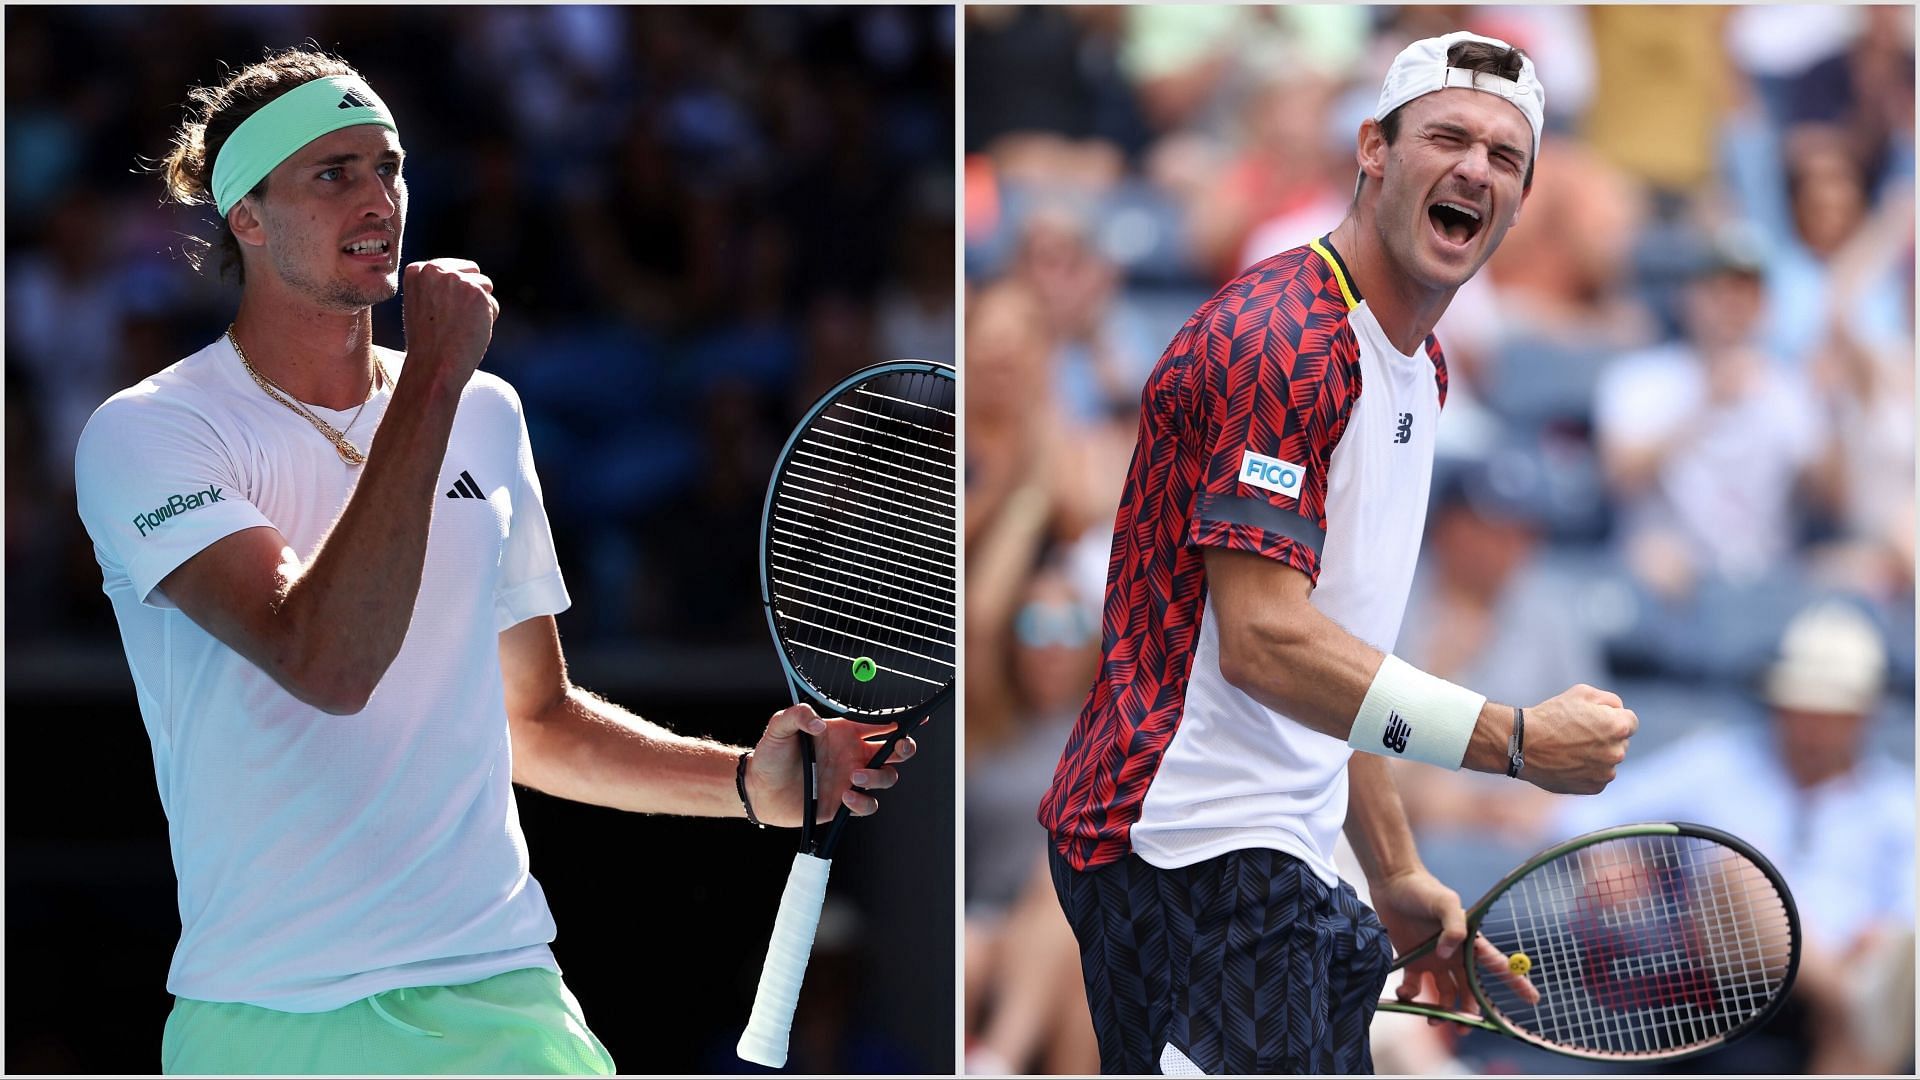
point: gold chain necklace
(337, 436)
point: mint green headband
(287, 123)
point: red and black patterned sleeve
(1279, 372)
(1267, 365)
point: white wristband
(1411, 714)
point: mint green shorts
(520, 1022)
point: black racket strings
(862, 546)
(1641, 945)
(861, 557)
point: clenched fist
(449, 309)
(1576, 739)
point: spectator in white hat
(1836, 819)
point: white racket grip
(765, 1040)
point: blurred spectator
(1563, 273)
(1560, 40)
(1776, 45)
(63, 318)
(1026, 1003)
(1665, 81)
(1868, 389)
(1850, 66)
(1815, 205)
(1035, 663)
(1706, 441)
(1048, 70)
(1076, 286)
(1028, 674)
(916, 316)
(1189, 66)
(1009, 396)
(1286, 168)
(1486, 612)
(1033, 642)
(1836, 821)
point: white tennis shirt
(325, 858)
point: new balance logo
(1405, 430)
(464, 488)
(351, 100)
(1395, 737)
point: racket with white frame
(859, 576)
(1644, 943)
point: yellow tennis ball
(1519, 963)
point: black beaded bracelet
(1514, 758)
(740, 783)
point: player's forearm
(345, 613)
(1377, 821)
(1283, 652)
(1319, 676)
(1304, 665)
(588, 749)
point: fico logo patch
(1271, 473)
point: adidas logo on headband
(285, 124)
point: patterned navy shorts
(1245, 963)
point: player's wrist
(1517, 743)
(1395, 872)
(740, 772)
(430, 370)
(1410, 714)
(1492, 732)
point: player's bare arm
(574, 744)
(328, 628)
(1413, 904)
(1279, 649)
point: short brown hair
(213, 112)
(1473, 56)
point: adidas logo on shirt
(465, 488)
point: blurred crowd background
(696, 220)
(1677, 457)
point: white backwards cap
(1421, 68)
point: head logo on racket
(858, 560)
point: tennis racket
(858, 573)
(1645, 942)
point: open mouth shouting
(1455, 223)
